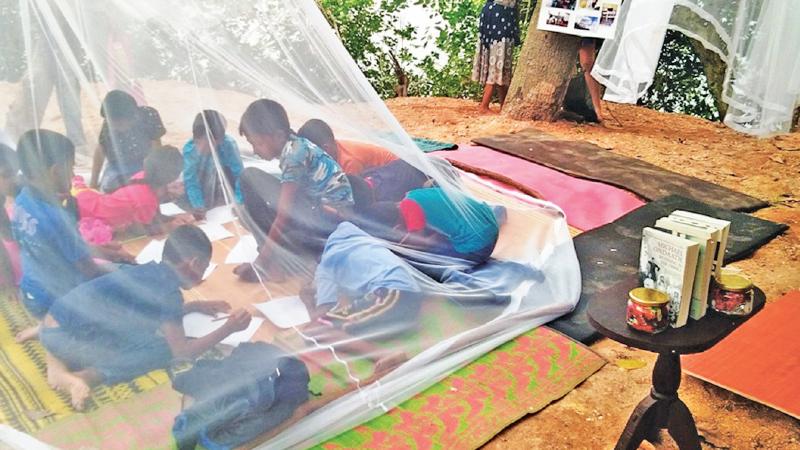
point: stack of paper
(197, 325)
(245, 251)
(151, 252)
(215, 232)
(285, 312)
(171, 209)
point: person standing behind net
(499, 34)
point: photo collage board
(587, 18)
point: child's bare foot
(389, 362)
(77, 388)
(79, 391)
(27, 334)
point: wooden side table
(662, 409)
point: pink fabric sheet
(587, 204)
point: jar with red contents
(733, 295)
(648, 310)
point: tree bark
(714, 68)
(540, 81)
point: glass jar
(733, 294)
(648, 310)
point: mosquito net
(272, 203)
(756, 39)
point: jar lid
(734, 282)
(648, 297)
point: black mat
(586, 160)
(609, 255)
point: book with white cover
(707, 237)
(723, 226)
(668, 263)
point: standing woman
(498, 35)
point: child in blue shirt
(130, 322)
(54, 257)
(314, 194)
(200, 176)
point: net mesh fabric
(755, 38)
(182, 57)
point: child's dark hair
(264, 117)
(118, 105)
(8, 159)
(185, 243)
(163, 165)
(318, 132)
(39, 150)
(208, 122)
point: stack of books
(681, 256)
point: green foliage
(680, 85)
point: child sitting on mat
(437, 223)
(137, 202)
(10, 270)
(200, 175)
(354, 157)
(128, 134)
(129, 322)
(313, 193)
(55, 258)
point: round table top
(607, 314)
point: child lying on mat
(200, 177)
(434, 222)
(55, 258)
(137, 202)
(129, 322)
(364, 293)
(129, 133)
(313, 191)
(354, 157)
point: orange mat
(760, 360)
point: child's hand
(175, 190)
(237, 321)
(210, 307)
(180, 219)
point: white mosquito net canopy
(758, 40)
(370, 269)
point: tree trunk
(714, 68)
(796, 121)
(540, 81)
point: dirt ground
(594, 414)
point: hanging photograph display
(587, 18)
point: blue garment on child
(322, 179)
(130, 302)
(469, 224)
(200, 177)
(355, 264)
(50, 250)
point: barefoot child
(200, 175)
(54, 257)
(313, 191)
(364, 293)
(127, 323)
(137, 202)
(129, 133)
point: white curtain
(758, 39)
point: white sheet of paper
(171, 209)
(220, 215)
(245, 251)
(285, 312)
(209, 271)
(215, 232)
(151, 252)
(271, 167)
(196, 325)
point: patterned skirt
(493, 64)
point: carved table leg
(662, 409)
